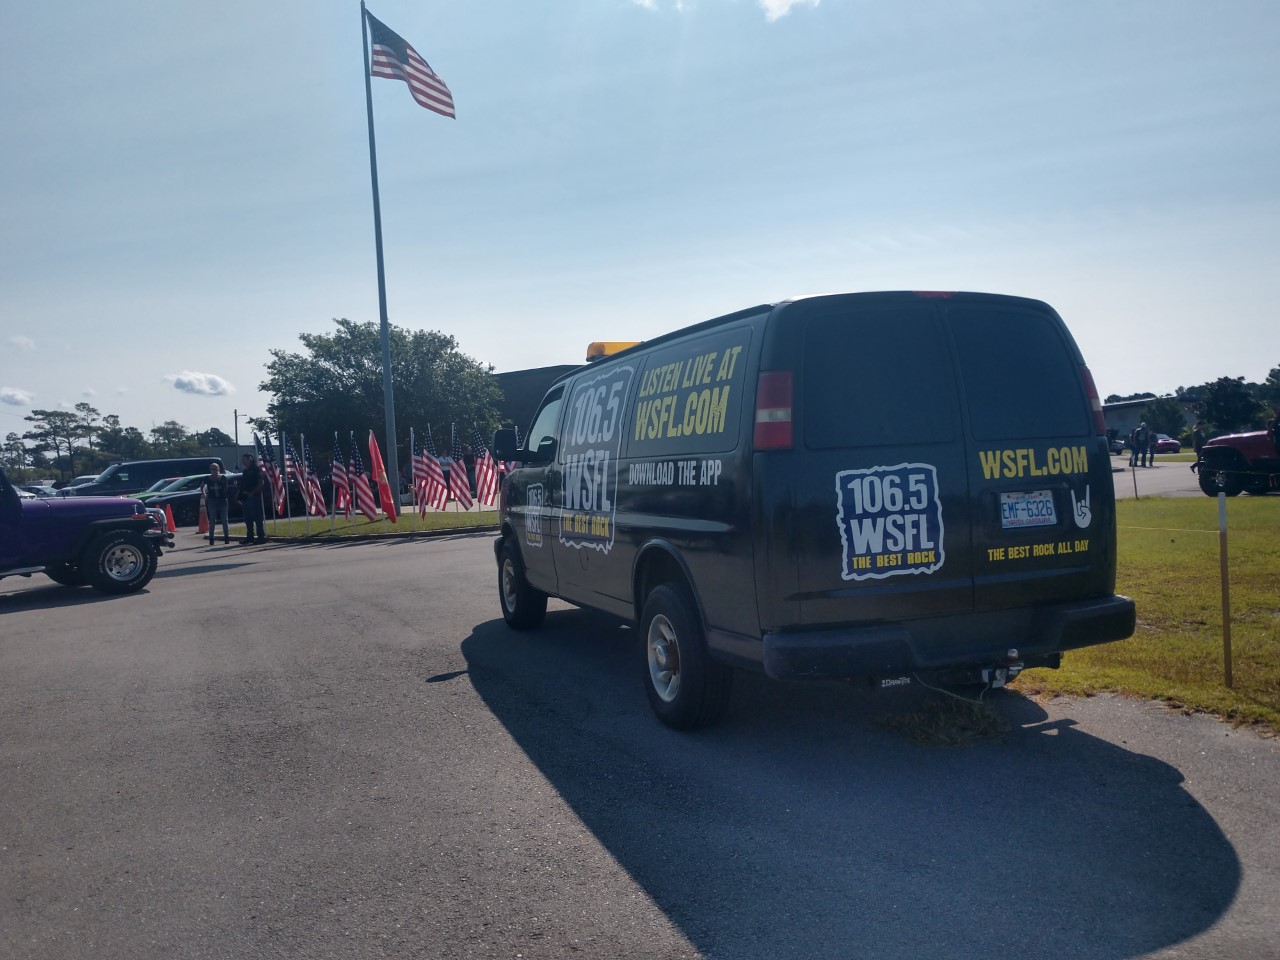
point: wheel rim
(664, 658)
(123, 562)
(509, 585)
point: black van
(134, 476)
(894, 486)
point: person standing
(216, 503)
(1139, 443)
(1153, 440)
(251, 500)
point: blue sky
(185, 188)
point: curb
(374, 537)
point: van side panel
(684, 483)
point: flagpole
(302, 481)
(388, 394)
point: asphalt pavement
(341, 751)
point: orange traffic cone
(168, 519)
(204, 518)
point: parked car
(83, 478)
(1239, 463)
(110, 543)
(881, 486)
(174, 485)
(1166, 444)
(127, 478)
(40, 490)
(185, 503)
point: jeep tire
(119, 561)
(686, 688)
(1214, 482)
(523, 606)
(67, 574)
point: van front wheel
(686, 688)
(523, 606)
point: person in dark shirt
(216, 502)
(251, 500)
(1197, 441)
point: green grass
(358, 526)
(1168, 563)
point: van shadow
(800, 827)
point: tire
(1214, 482)
(67, 574)
(523, 606)
(686, 688)
(118, 562)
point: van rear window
(1019, 374)
(877, 376)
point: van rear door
(880, 519)
(1039, 467)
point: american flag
(394, 59)
(341, 487)
(459, 486)
(293, 468)
(436, 493)
(313, 493)
(486, 471)
(267, 460)
(360, 484)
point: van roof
(767, 307)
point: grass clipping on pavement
(1168, 563)
(360, 526)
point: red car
(1166, 444)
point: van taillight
(773, 411)
(1095, 404)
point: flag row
(434, 478)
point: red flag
(380, 478)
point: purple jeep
(110, 543)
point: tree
(1228, 406)
(58, 431)
(171, 439)
(1165, 415)
(90, 420)
(337, 385)
(1269, 391)
(213, 437)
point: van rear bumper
(977, 639)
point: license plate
(1029, 509)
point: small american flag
(486, 471)
(360, 483)
(341, 486)
(311, 483)
(267, 460)
(459, 485)
(293, 468)
(394, 59)
(437, 492)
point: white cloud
(23, 343)
(773, 9)
(15, 397)
(200, 384)
(89, 392)
(120, 391)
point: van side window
(877, 377)
(546, 420)
(1019, 375)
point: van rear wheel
(523, 606)
(686, 688)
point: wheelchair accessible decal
(890, 521)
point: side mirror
(504, 444)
